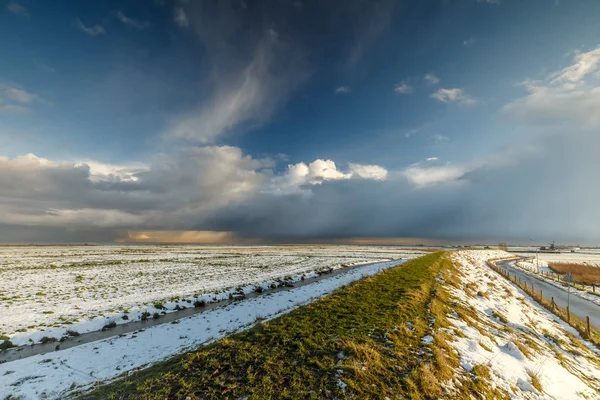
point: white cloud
(131, 21)
(454, 95)
(173, 187)
(468, 42)
(320, 171)
(585, 63)
(571, 94)
(123, 172)
(431, 79)
(170, 191)
(403, 88)
(432, 171)
(342, 90)
(552, 104)
(374, 172)
(180, 17)
(90, 30)
(17, 9)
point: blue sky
(139, 102)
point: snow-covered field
(54, 375)
(47, 290)
(579, 258)
(530, 353)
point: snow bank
(521, 343)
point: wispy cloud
(567, 95)
(454, 95)
(411, 132)
(13, 108)
(17, 95)
(374, 172)
(431, 79)
(437, 138)
(16, 100)
(342, 90)
(131, 21)
(403, 88)
(249, 97)
(585, 64)
(90, 30)
(180, 17)
(432, 172)
(17, 9)
(468, 42)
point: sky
(439, 121)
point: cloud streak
(16, 100)
(17, 9)
(431, 79)
(403, 88)
(454, 95)
(94, 30)
(131, 21)
(570, 95)
(251, 98)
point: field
(444, 326)
(586, 274)
(581, 257)
(45, 290)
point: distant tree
(503, 246)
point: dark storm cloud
(535, 195)
(511, 195)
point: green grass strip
(362, 341)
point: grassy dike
(364, 341)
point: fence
(580, 324)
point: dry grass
(522, 348)
(582, 273)
(535, 382)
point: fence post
(553, 305)
(568, 314)
(587, 325)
